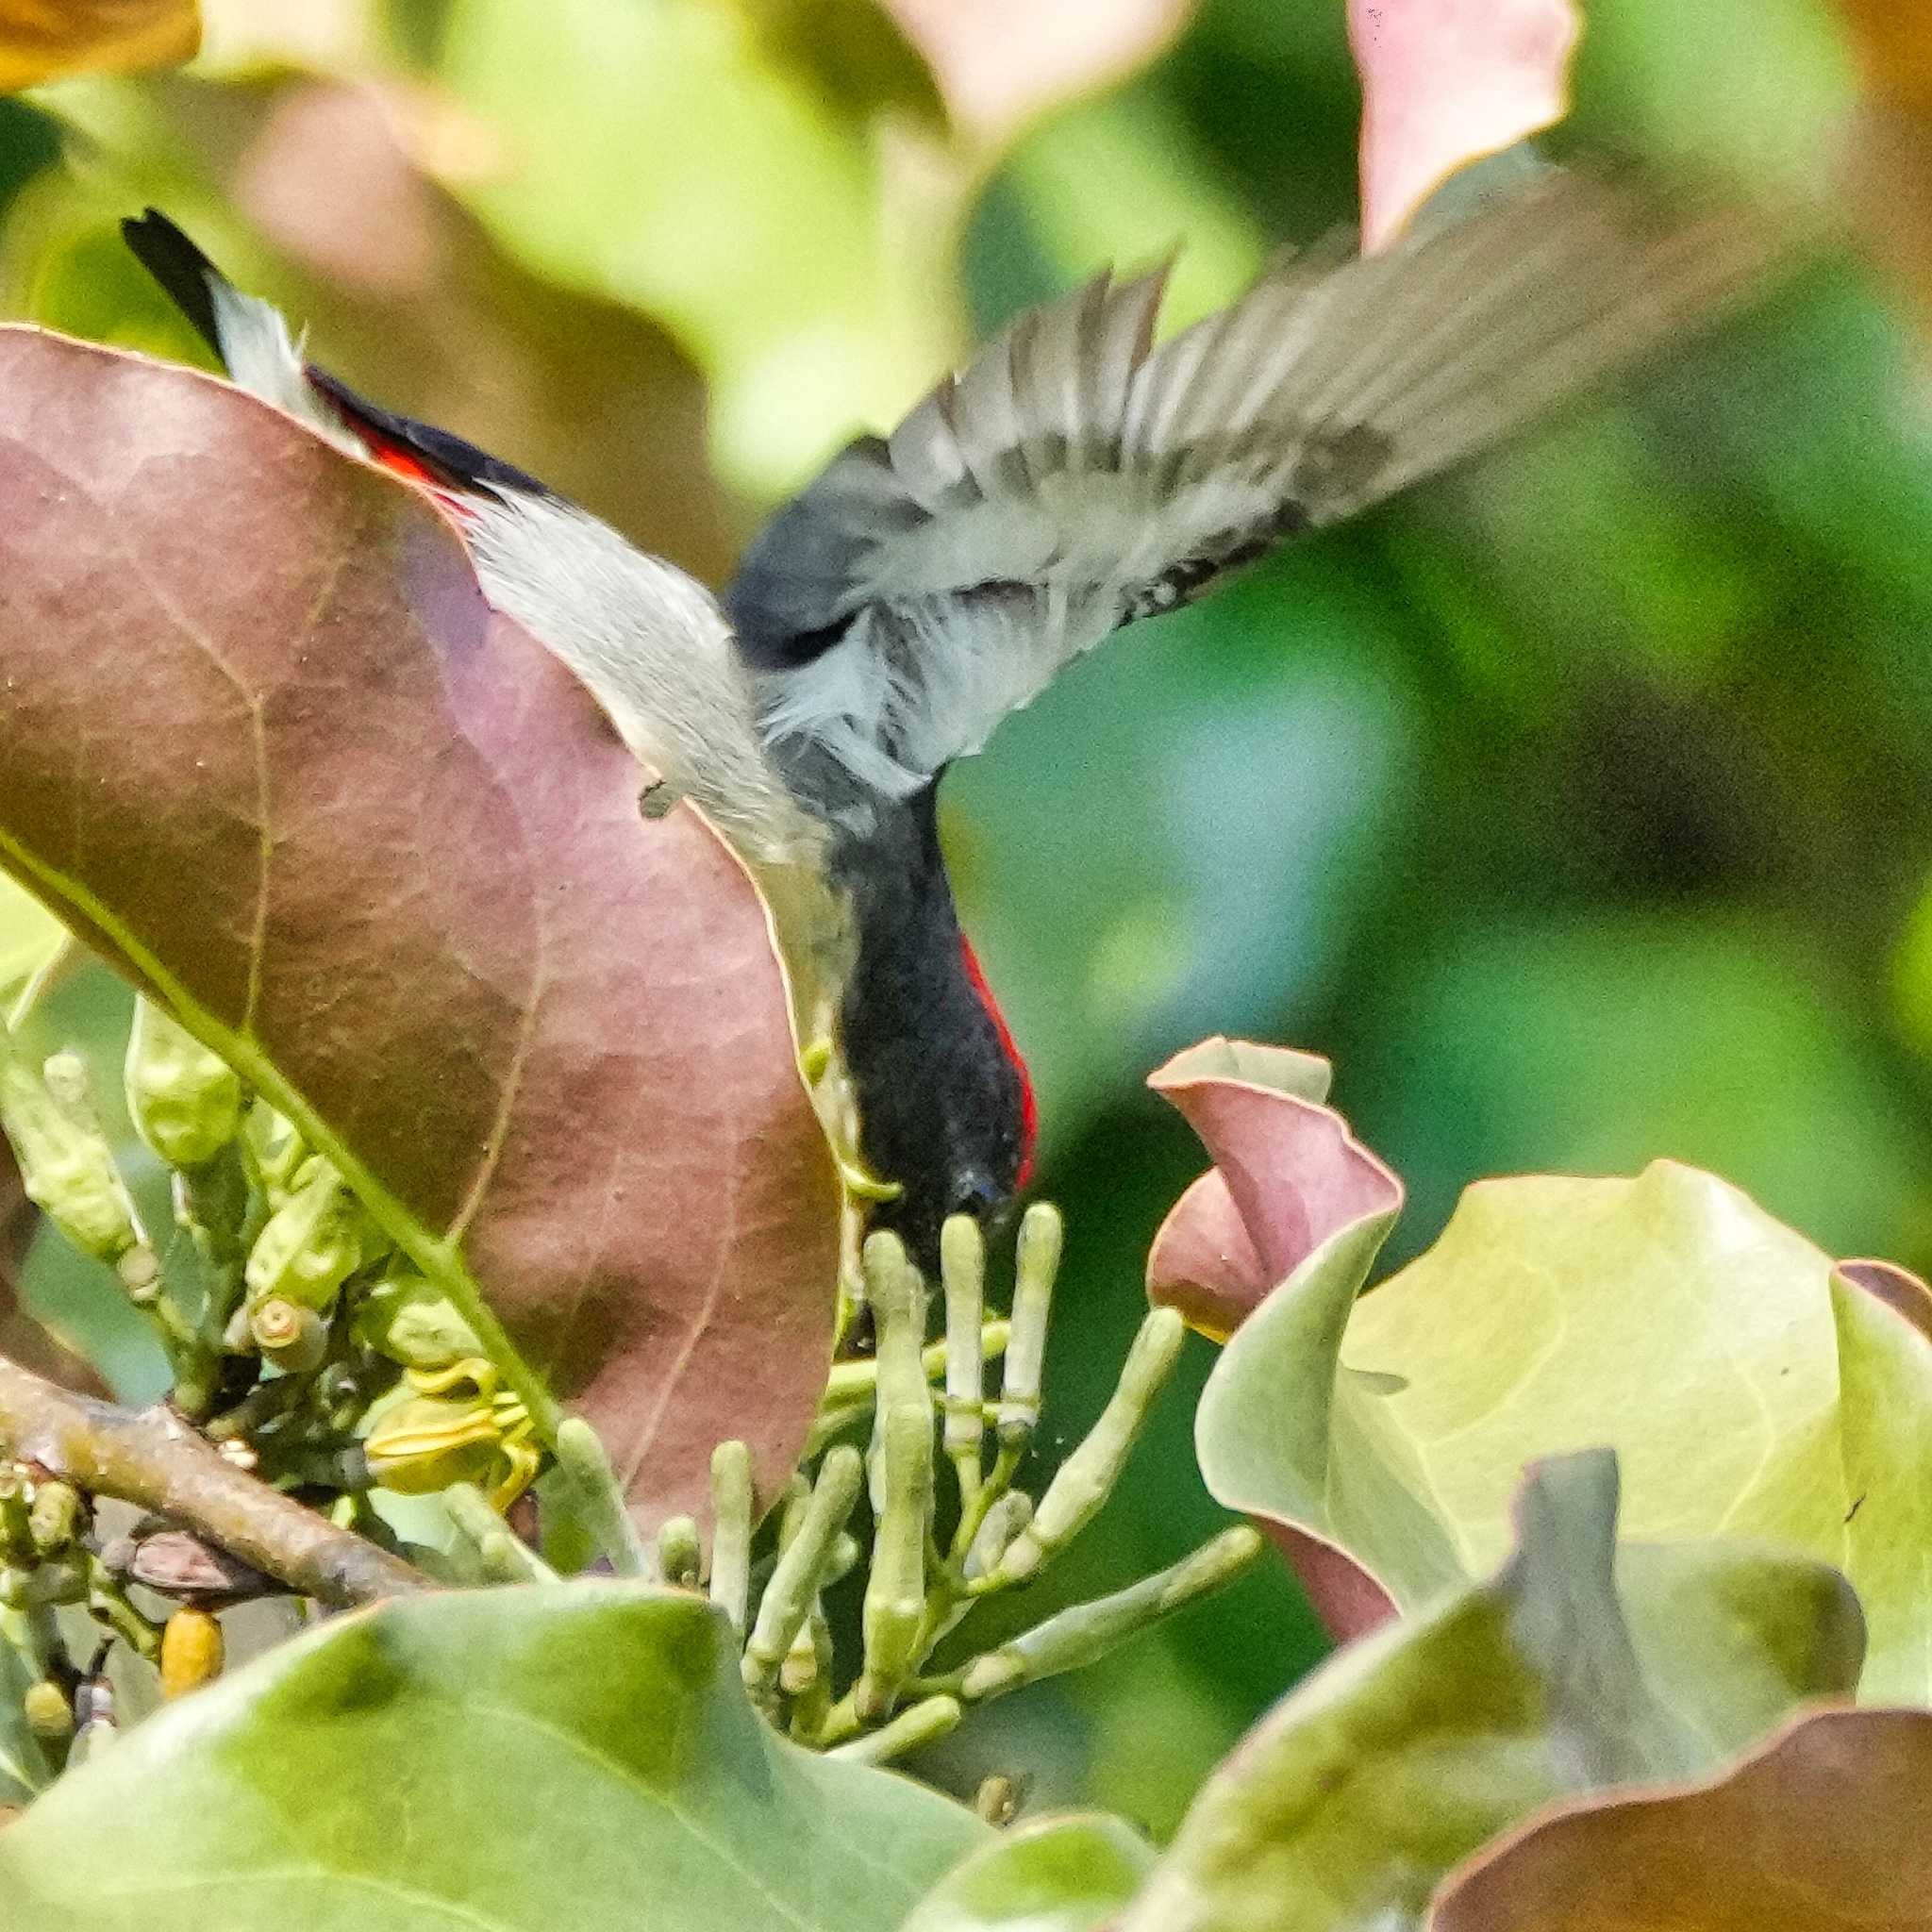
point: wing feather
(1074, 475)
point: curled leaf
(1287, 1175)
(1406, 1752)
(267, 746)
(1445, 82)
(1748, 1390)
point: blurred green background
(1577, 806)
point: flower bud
(65, 1163)
(49, 1716)
(185, 1100)
(312, 1242)
(294, 1337)
(56, 1517)
(191, 1651)
(405, 1317)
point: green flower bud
(409, 1321)
(56, 1517)
(680, 1556)
(894, 1614)
(312, 1242)
(293, 1336)
(185, 1100)
(65, 1163)
(273, 1149)
(1041, 1236)
(732, 1504)
(49, 1715)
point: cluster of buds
(48, 1566)
(317, 1356)
(940, 1547)
(308, 1347)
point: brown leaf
(268, 747)
(1287, 1175)
(1445, 82)
(1828, 1828)
(41, 40)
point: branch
(153, 1458)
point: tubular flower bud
(65, 1163)
(1003, 1523)
(312, 1242)
(962, 1271)
(583, 1458)
(503, 1557)
(923, 1723)
(800, 1572)
(897, 1294)
(185, 1100)
(290, 1335)
(192, 1650)
(404, 1318)
(1085, 1631)
(680, 1556)
(1087, 1477)
(731, 1514)
(1041, 1234)
(894, 1615)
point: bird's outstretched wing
(1076, 477)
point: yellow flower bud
(191, 1651)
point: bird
(1078, 474)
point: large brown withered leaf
(264, 743)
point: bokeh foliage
(1577, 808)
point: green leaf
(1885, 1433)
(1667, 1316)
(1057, 1874)
(1412, 1749)
(502, 1761)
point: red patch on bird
(401, 460)
(393, 456)
(1030, 1107)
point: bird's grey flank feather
(1076, 477)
